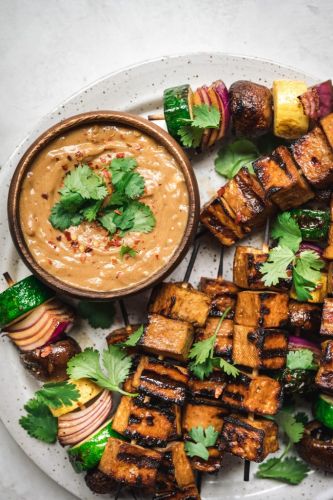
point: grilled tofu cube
(175, 478)
(315, 157)
(223, 294)
(217, 216)
(167, 337)
(324, 377)
(249, 439)
(246, 198)
(196, 414)
(326, 327)
(180, 302)
(304, 316)
(263, 309)
(150, 423)
(258, 394)
(223, 344)
(210, 388)
(247, 273)
(260, 347)
(121, 334)
(162, 380)
(327, 126)
(281, 180)
(130, 464)
(210, 466)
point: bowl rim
(80, 120)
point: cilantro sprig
(204, 116)
(201, 440)
(110, 374)
(234, 156)
(133, 339)
(286, 469)
(302, 359)
(306, 265)
(39, 421)
(202, 356)
(86, 197)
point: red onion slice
(76, 426)
(312, 247)
(317, 102)
(222, 92)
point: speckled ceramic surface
(139, 90)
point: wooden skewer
(265, 248)
(9, 280)
(156, 116)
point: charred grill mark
(273, 353)
(237, 396)
(162, 381)
(144, 440)
(140, 461)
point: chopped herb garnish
(201, 440)
(204, 116)
(126, 250)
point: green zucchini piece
(87, 454)
(324, 410)
(314, 224)
(177, 108)
(21, 298)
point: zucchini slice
(21, 298)
(324, 410)
(87, 454)
(177, 108)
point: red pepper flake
(106, 174)
(58, 238)
(68, 235)
(238, 217)
(157, 256)
(88, 249)
(221, 191)
(75, 244)
(118, 274)
(64, 168)
(78, 154)
(89, 163)
(120, 155)
(46, 351)
(69, 158)
(103, 160)
(52, 244)
(117, 211)
(45, 196)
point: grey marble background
(50, 49)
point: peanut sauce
(86, 256)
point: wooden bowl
(110, 118)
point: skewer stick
(192, 261)
(265, 248)
(220, 269)
(156, 116)
(9, 279)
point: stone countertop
(49, 50)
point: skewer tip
(9, 279)
(156, 117)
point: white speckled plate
(139, 90)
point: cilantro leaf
(302, 359)
(85, 182)
(87, 365)
(126, 250)
(205, 116)
(196, 450)
(143, 218)
(121, 166)
(202, 350)
(275, 268)
(287, 231)
(290, 470)
(190, 137)
(56, 394)
(228, 368)
(290, 426)
(90, 211)
(39, 421)
(302, 287)
(202, 370)
(306, 273)
(135, 186)
(99, 314)
(234, 156)
(203, 438)
(134, 338)
(108, 223)
(72, 202)
(62, 219)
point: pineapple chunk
(290, 122)
(88, 390)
